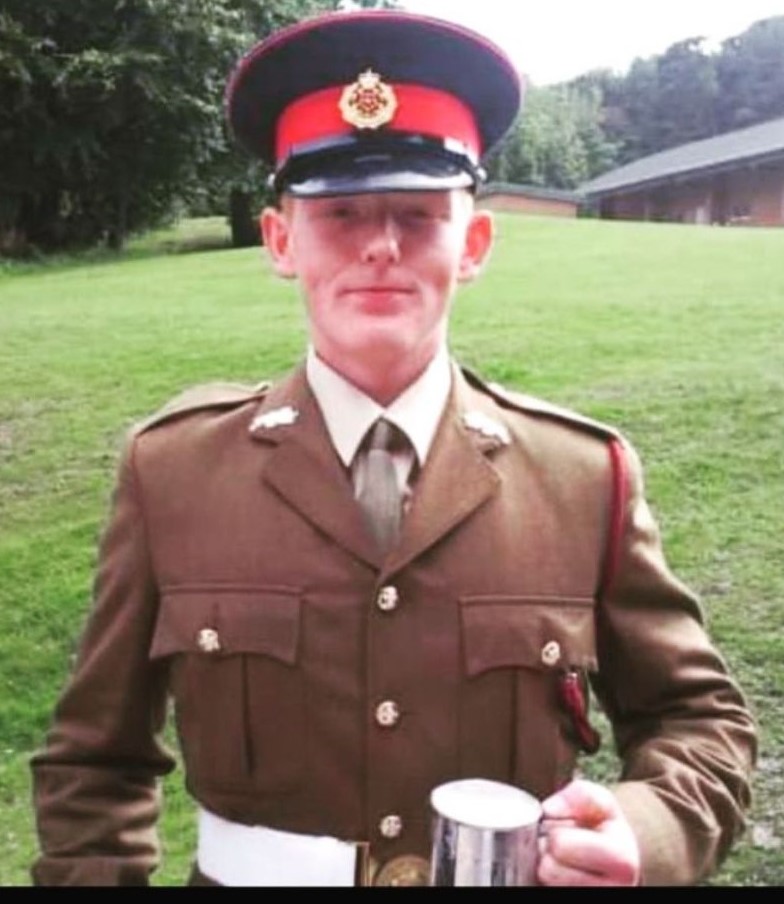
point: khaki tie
(379, 494)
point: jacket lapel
(458, 476)
(303, 467)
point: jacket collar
(304, 468)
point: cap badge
(368, 103)
(278, 417)
(486, 426)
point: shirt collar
(348, 412)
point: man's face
(378, 271)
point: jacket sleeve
(684, 733)
(95, 782)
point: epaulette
(532, 405)
(203, 396)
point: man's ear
(478, 242)
(276, 234)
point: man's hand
(586, 839)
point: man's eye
(418, 217)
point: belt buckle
(407, 870)
(403, 871)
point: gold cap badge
(368, 103)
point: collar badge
(368, 103)
(486, 426)
(278, 417)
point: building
(531, 199)
(734, 178)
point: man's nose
(382, 243)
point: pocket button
(208, 640)
(551, 653)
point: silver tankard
(484, 834)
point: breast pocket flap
(527, 632)
(221, 622)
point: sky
(557, 40)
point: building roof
(752, 144)
(528, 191)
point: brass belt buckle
(403, 871)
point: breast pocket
(238, 694)
(516, 650)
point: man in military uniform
(334, 652)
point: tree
(602, 119)
(557, 142)
(640, 105)
(687, 94)
(108, 110)
(687, 89)
(750, 72)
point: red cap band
(420, 110)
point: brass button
(551, 653)
(407, 870)
(208, 640)
(388, 599)
(387, 714)
(391, 826)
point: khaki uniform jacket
(236, 574)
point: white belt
(234, 854)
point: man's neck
(382, 380)
(348, 411)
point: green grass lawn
(673, 333)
